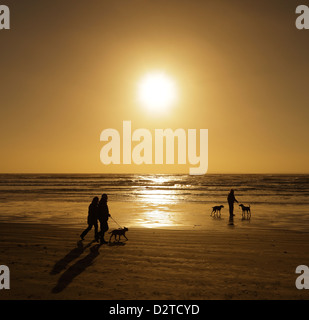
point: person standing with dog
(103, 215)
(231, 199)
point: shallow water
(169, 201)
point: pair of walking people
(97, 212)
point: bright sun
(157, 92)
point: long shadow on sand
(68, 276)
(72, 255)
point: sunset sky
(70, 69)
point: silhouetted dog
(216, 211)
(119, 233)
(245, 210)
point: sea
(157, 201)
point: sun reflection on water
(158, 197)
(157, 219)
(157, 202)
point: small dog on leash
(119, 233)
(245, 210)
(216, 211)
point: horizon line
(179, 173)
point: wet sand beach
(50, 262)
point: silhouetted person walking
(92, 219)
(231, 199)
(103, 215)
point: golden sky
(70, 69)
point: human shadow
(72, 255)
(231, 221)
(68, 276)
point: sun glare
(157, 92)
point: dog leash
(116, 222)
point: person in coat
(103, 215)
(92, 219)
